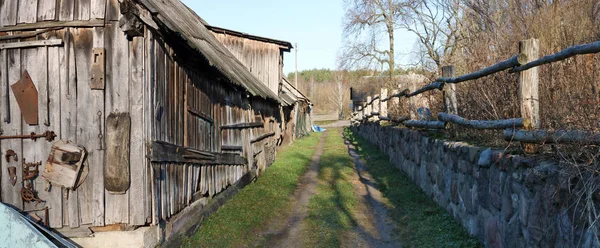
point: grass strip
(330, 209)
(236, 223)
(421, 221)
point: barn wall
(169, 100)
(75, 112)
(261, 58)
(192, 105)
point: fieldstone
(513, 236)
(590, 239)
(565, 231)
(483, 189)
(523, 209)
(496, 183)
(474, 153)
(507, 201)
(485, 158)
(467, 199)
(454, 191)
(494, 233)
(464, 167)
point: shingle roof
(180, 19)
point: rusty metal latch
(27, 97)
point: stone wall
(503, 200)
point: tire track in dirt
(290, 235)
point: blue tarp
(318, 129)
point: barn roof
(287, 46)
(179, 19)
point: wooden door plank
(54, 112)
(113, 12)
(90, 120)
(68, 109)
(97, 9)
(46, 10)
(8, 13)
(27, 11)
(34, 60)
(117, 101)
(82, 10)
(137, 196)
(65, 13)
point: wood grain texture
(68, 109)
(27, 11)
(117, 100)
(116, 170)
(82, 10)
(97, 9)
(138, 196)
(46, 10)
(66, 11)
(8, 13)
(528, 89)
(89, 105)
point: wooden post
(368, 108)
(450, 102)
(375, 104)
(528, 88)
(383, 110)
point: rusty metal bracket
(97, 82)
(30, 170)
(27, 97)
(11, 153)
(48, 135)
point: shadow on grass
(421, 222)
(331, 216)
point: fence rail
(375, 108)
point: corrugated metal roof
(180, 19)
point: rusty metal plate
(98, 66)
(27, 98)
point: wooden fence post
(375, 113)
(383, 110)
(528, 88)
(368, 108)
(450, 102)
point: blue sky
(316, 25)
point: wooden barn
(264, 58)
(142, 114)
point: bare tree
(340, 89)
(437, 24)
(366, 22)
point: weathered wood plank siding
(173, 99)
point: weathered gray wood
(117, 100)
(562, 55)
(138, 198)
(450, 101)
(59, 24)
(375, 108)
(425, 124)
(481, 124)
(10, 67)
(54, 117)
(8, 13)
(113, 11)
(383, 106)
(262, 137)
(429, 87)
(46, 10)
(27, 34)
(97, 9)
(28, 44)
(243, 125)
(90, 113)
(27, 11)
(68, 112)
(82, 10)
(66, 10)
(498, 67)
(368, 107)
(528, 89)
(116, 170)
(547, 137)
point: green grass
(330, 209)
(421, 221)
(322, 123)
(236, 223)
